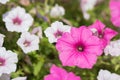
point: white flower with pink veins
(28, 42)
(106, 75)
(4, 1)
(8, 60)
(17, 20)
(56, 30)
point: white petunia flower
(106, 75)
(57, 11)
(28, 42)
(8, 61)
(17, 20)
(113, 48)
(4, 1)
(87, 5)
(20, 78)
(1, 39)
(7, 77)
(56, 30)
(37, 31)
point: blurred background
(36, 65)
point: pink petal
(72, 76)
(103, 43)
(57, 71)
(96, 50)
(68, 58)
(83, 32)
(93, 45)
(65, 42)
(116, 21)
(51, 77)
(76, 34)
(109, 34)
(115, 12)
(86, 60)
(98, 25)
(93, 40)
(60, 74)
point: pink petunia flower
(17, 20)
(79, 48)
(103, 33)
(57, 73)
(115, 12)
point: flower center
(80, 48)
(17, 21)
(58, 34)
(2, 61)
(100, 35)
(27, 43)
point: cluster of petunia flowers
(81, 46)
(57, 73)
(76, 46)
(20, 21)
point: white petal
(20, 78)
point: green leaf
(38, 66)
